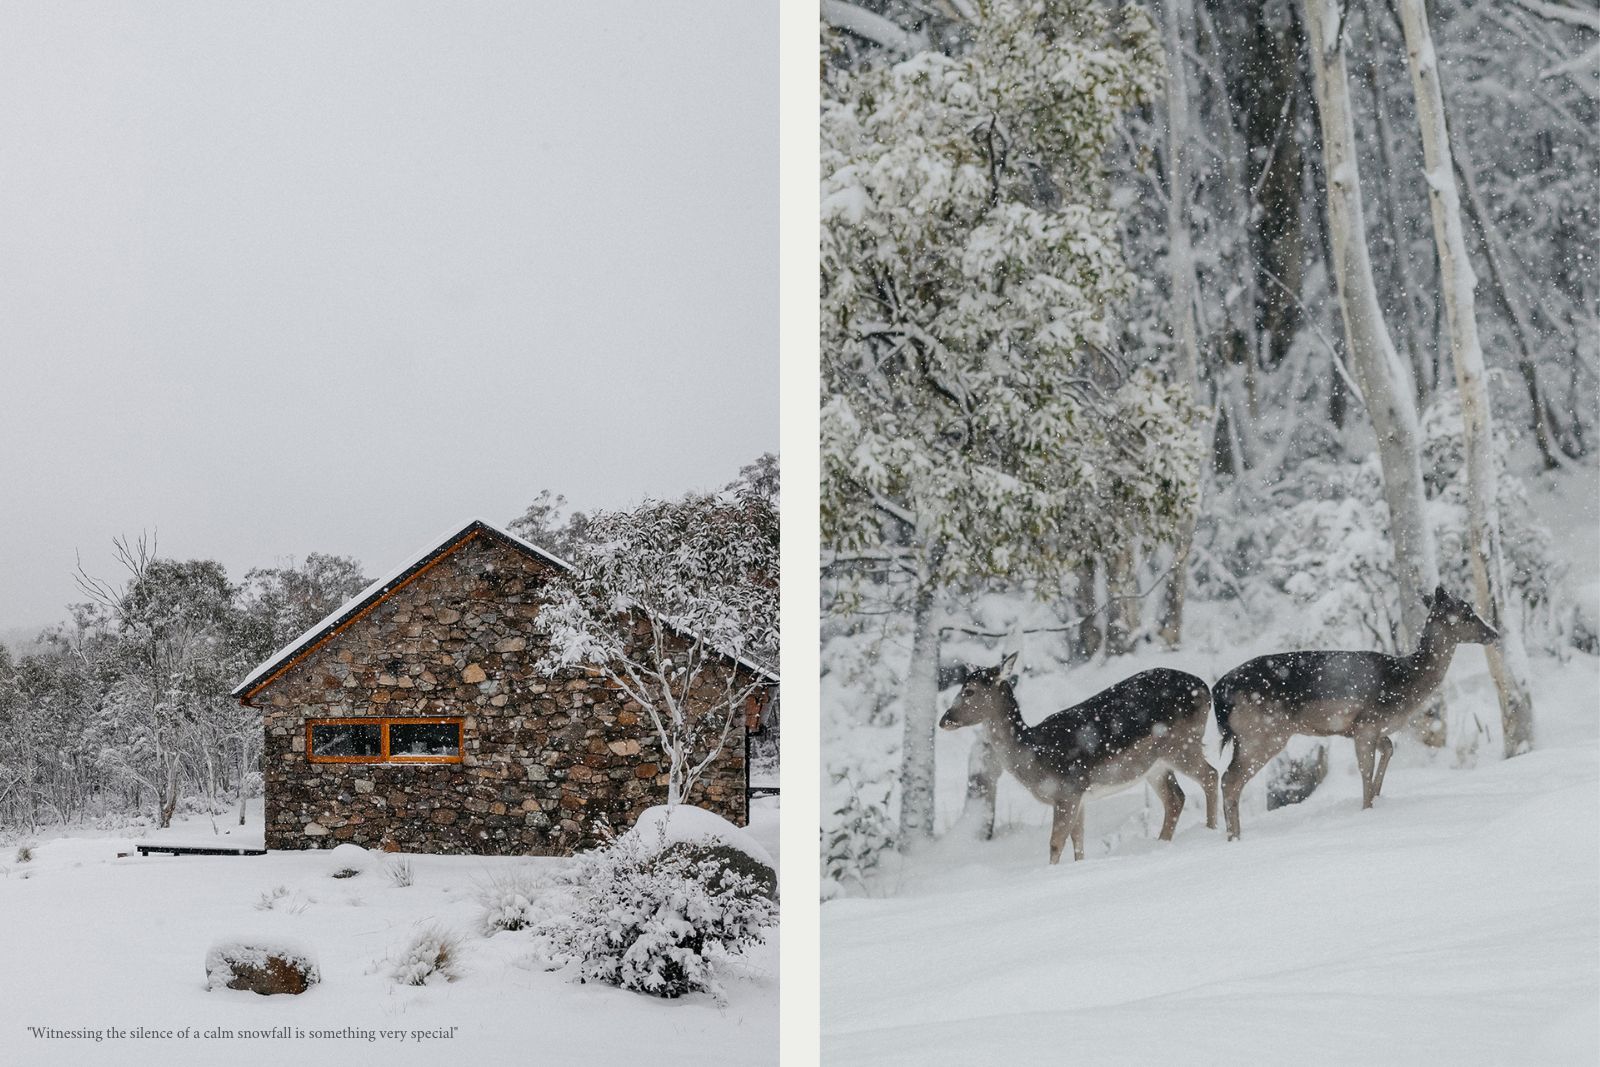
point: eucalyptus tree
(975, 422)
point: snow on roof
(382, 586)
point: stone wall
(543, 760)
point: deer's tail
(1222, 706)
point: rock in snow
(264, 965)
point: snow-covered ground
(89, 941)
(1456, 922)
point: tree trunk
(1506, 660)
(1122, 600)
(244, 763)
(1399, 275)
(920, 707)
(1384, 380)
(1086, 640)
(983, 785)
(1180, 258)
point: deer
(1137, 730)
(1365, 696)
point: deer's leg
(1249, 756)
(1195, 766)
(1385, 750)
(1366, 752)
(1171, 794)
(1077, 829)
(1059, 826)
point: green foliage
(972, 416)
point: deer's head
(1456, 620)
(985, 694)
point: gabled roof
(380, 590)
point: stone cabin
(412, 719)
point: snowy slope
(89, 940)
(1456, 922)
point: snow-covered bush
(1531, 570)
(433, 951)
(347, 860)
(507, 900)
(651, 918)
(856, 836)
(700, 835)
(400, 873)
(862, 687)
(1328, 549)
(280, 898)
(1320, 537)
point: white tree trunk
(1122, 599)
(1180, 260)
(1384, 380)
(1507, 661)
(920, 706)
(244, 772)
(983, 785)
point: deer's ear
(1007, 665)
(1427, 600)
(1440, 595)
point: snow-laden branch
(872, 27)
(1572, 16)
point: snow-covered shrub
(860, 831)
(1531, 570)
(862, 684)
(1328, 549)
(399, 872)
(699, 836)
(24, 854)
(347, 860)
(1320, 537)
(507, 900)
(279, 898)
(652, 919)
(434, 951)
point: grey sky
(331, 276)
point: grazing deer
(1365, 696)
(1140, 728)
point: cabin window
(346, 740)
(384, 740)
(435, 739)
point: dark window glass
(423, 739)
(346, 739)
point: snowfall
(94, 936)
(1457, 921)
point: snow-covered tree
(167, 655)
(666, 601)
(975, 421)
(278, 604)
(1506, 661)
(1386, 384)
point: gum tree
(975, 424)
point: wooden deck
(200, 850)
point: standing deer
(1365, 696)
(1139, 729)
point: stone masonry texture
(544, 760)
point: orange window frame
(383, 725)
